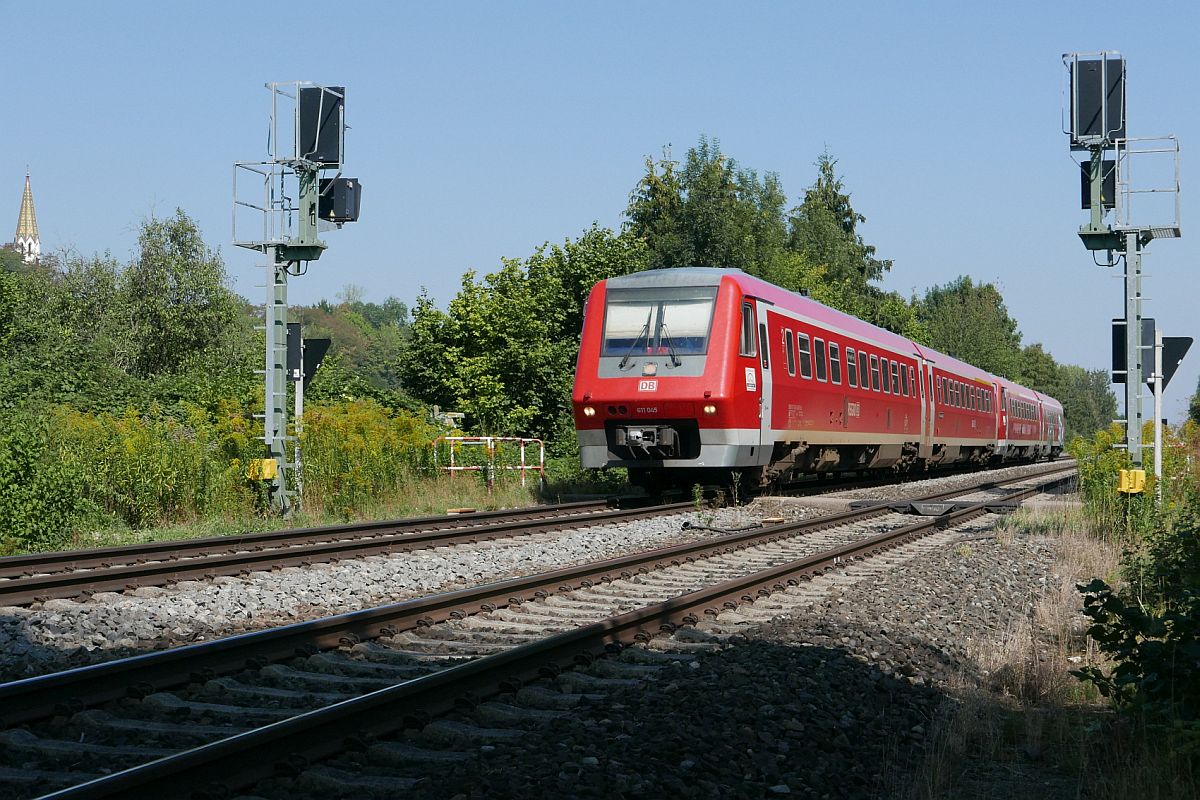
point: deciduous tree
(970, 322)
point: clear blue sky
(481, 130)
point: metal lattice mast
(1097, 126)
(291, 198)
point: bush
(1157, 656)
(42, 498)
(154, 469)
(358, 454)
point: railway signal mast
(1097, 129)
(282, 203)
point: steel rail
(33, 588)
(243, 759)
(62, 692)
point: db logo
(647, 386)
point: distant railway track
(415, 659)
(38, 577)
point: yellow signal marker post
(263, 469)
(1133, 481)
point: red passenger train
(688, 375)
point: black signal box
(1108, 186)
(340, 200)
(319, 123)
(1098, 101)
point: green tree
(368, 339)
(655, 214)
(970, 322)
(1194, 406)
(179, 305)
(504, 350)
(825, 229)
(1039, 370)
(710, 213)
(1089, 404)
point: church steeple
(27, 240)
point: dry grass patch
(1021, 725)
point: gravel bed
(834, 700)
(911, 488)
(64, 633)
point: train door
(1002, 429)
(930, 405)
(923, 370)
(766, 437)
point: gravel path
(834, 700)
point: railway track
(251, 702)
(38, 577)
(46, 576)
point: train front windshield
(672, 320)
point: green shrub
(149, 469)
(358, 454)
(1157, 656)
(42, 498)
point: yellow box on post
(1133, 481)
(263, 469)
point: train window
(912, 381)
(851, 367)
(937, 390)
(863, 371)
(746, 346)
(874, 373)
(805, 356)
(904, 380)
(789, 348)
(762, 337)
(884, 368)
(835, 362)
(895, 378)
(821, 359)
(956, 393)
(662, 320)
(974, 398)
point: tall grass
(70, 478)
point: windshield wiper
(666, 337)
(644, 334)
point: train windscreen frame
(660, 320)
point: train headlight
(710, 409)
(588, 411)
